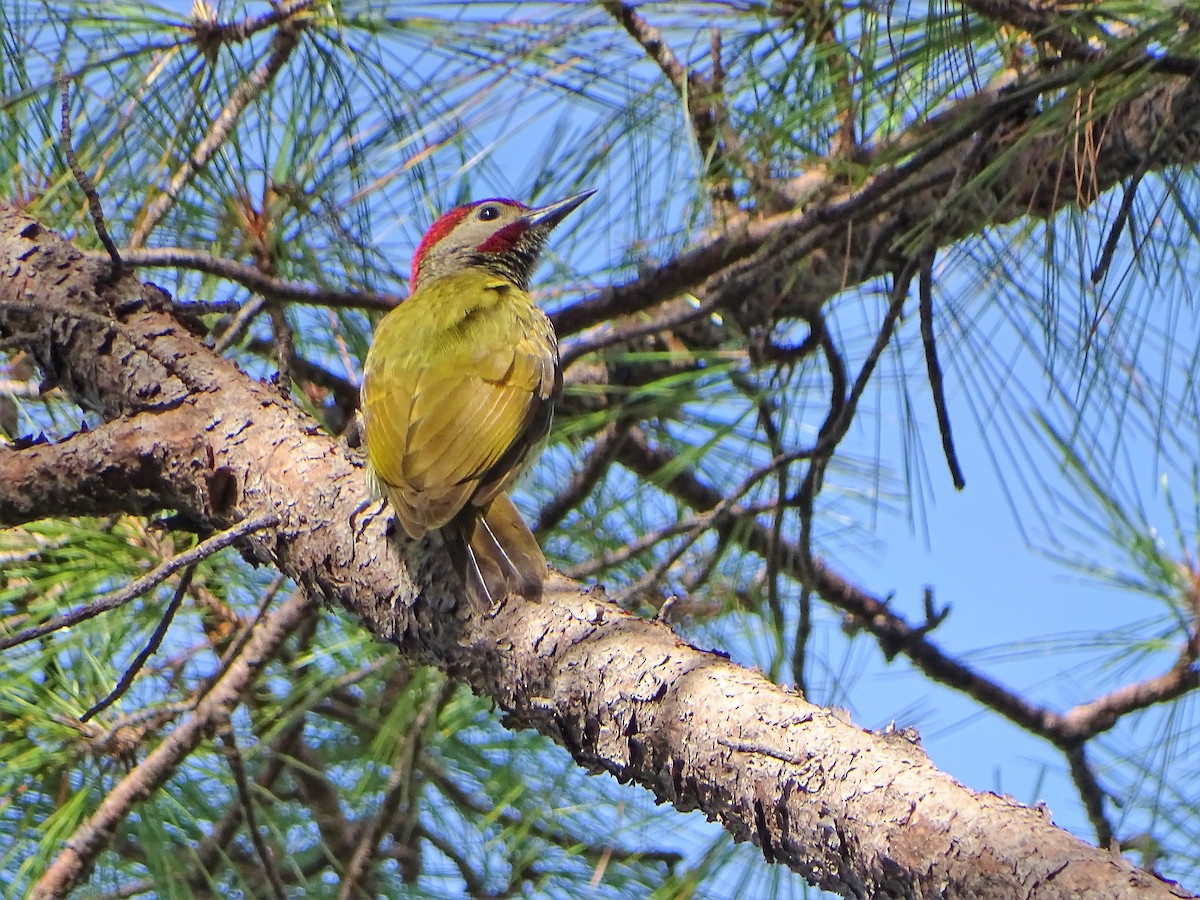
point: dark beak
(546, 217)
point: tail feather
(495, 553)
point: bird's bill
(550, 215)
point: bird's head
(502, 236)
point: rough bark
(863, 814)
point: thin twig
(721, 520)
(578, 349)
(1086, 720)
(147, 582)
(233, 759)
(146, 652)
(612, 558)
(656, 574)
(214, 844)
(694, 526)
(934, 371)
(587, 474)
(928, 257)
(775, 557)
(711, 124)
(85, 182)
(254, 279)
(1118, 227)
(800, 642)
(452, 850)
(774, 441)
(841, 414)
(285, 346)
(1092, 795)
(235, 329)
(246, 632)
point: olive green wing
(443, 435)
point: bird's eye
(487, 213)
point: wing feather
(436, 433)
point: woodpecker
(458, 390)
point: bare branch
(85, 182)
(1089, 719)
(254, 279)
(709, 115)
(933, 370)
(146, 652)
(1092, 795)
(652, 42)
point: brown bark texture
(864, 814)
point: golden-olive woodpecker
(458, 388)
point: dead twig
(233, 759)
(933, 370)
(152, 645)
(85, 182)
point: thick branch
(138, 465)
(860, 813)
(895, 635)
(787, 265)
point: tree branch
(620, 693)
(253, 279)
(752, 270)
(895, 635)
(138, 465)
